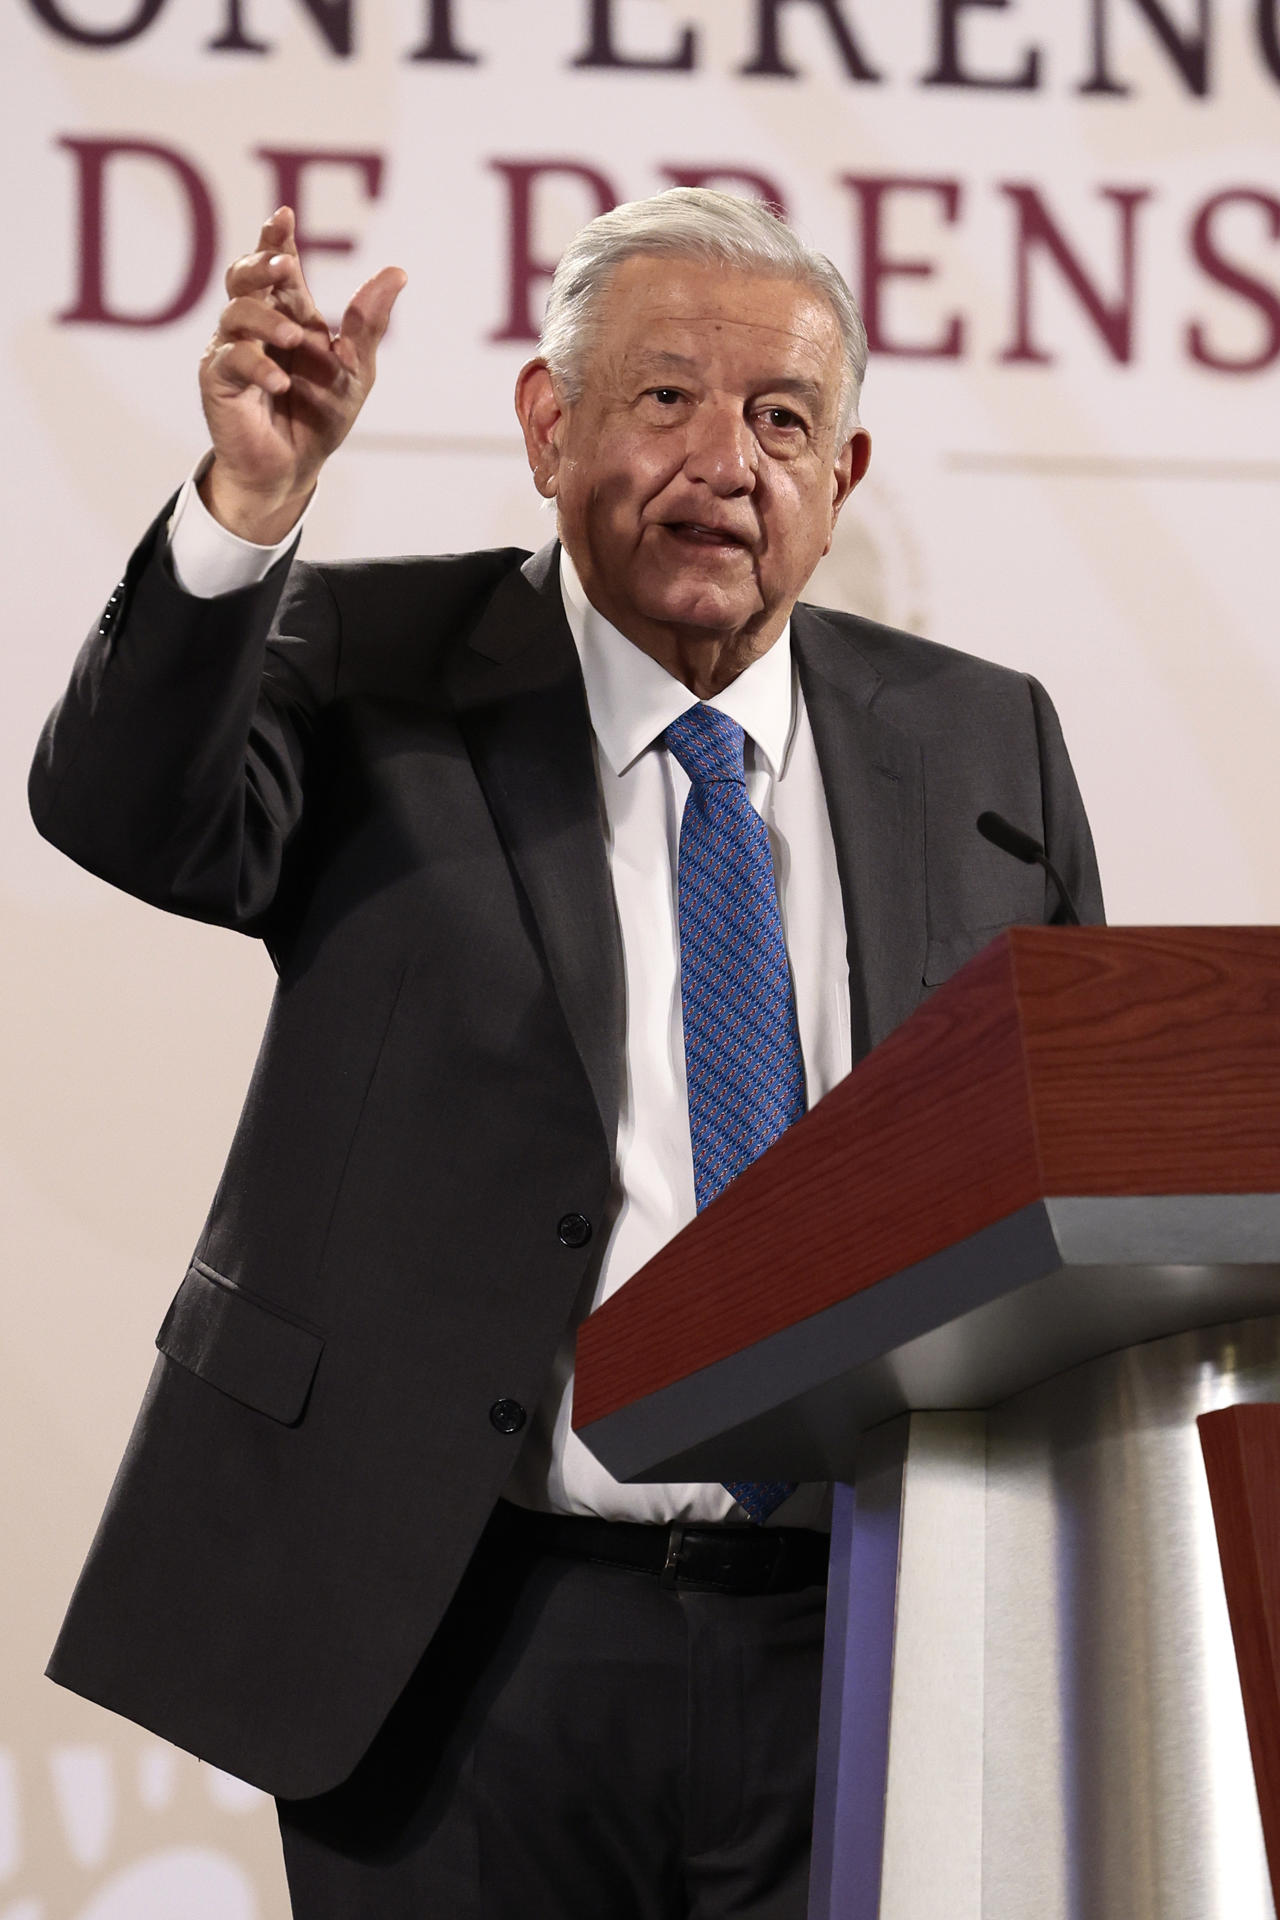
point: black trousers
(580, 1743)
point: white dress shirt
(207, 558)
(631, 700)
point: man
(583, 874)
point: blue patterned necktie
(741, 1044)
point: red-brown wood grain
(1061, 1061)
(1152, 1054)
(1241, 1448)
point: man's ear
(540, 413)
(851, 466)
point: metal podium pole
(1032, 1601)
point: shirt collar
(632, 700)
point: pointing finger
(275, 264)
(279, 232)
(253, 272)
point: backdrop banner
(1062, 218)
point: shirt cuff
(206, 557)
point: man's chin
(704, 610)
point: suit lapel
(874, 782)
(522, 709)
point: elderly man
(583, 874)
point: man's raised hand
(279, 391)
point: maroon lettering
(439, 43)
(1189, 52)
(949, 69)
(758, 185)
(602, 51)
(1038, 232)
(872, 193)
(56, 20)
(91, 304)
(768, 58)
(332, 18)
(1260, 296)
(1268, 25)
(290, 166)
(524, 270)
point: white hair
(692, 223)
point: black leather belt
(707, 1559)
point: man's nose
(720, 450)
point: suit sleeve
(174, 764)
(1067, 839)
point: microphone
(1010, 839)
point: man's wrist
(207, 559)
(263, 519)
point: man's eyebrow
(657, 359)
(801, 388)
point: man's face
(699, 477)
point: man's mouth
(697, 533)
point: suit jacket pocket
(240, 1345)
(948, 952)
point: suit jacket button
(574, 1230)
(508, 1416)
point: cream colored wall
(1110, 528)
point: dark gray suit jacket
(386, 771)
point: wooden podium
(991, 1280)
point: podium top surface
(1060, 1064)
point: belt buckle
(675, 1553)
